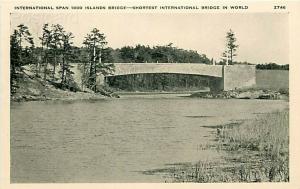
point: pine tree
(231, 47)
(66, 72)
(15, 60)
(56, 44)
(94, 43)
(21, 52)
(45, 41)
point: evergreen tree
(94, 43)
(231, 47)
(15, 60)
(46, 39)
(24, 36)
(21, 52)
(66, 73)
(56, 43)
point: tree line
(272, 66)
(159, 54)
(57, 51)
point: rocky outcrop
(32, 88)
(245, 94)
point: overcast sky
(262, 37)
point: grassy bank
(255, 151)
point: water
(115, 140)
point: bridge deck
(178, 68)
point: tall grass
(257, 151)
(268, 134)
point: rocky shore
(67, 96)
(281, 94)
(32, 88)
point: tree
(231, 47)
(25, 44)
(94, 43)
(15, 60)
(56, 43)
(21, 52)
(24, 35)
(45, 41)
(84, 58)
(66, 73)
(127, 54)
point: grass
(267, 133)
(257, 151)
(268, 136)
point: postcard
(149, 94)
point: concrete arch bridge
(221, 77)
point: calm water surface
(115, 140)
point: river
(116, 140)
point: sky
(262, 37)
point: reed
(258, 151)
(268, 134)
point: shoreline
(81, 96)
(29, 87)
(250, 94)
(50, 93)
(154, 92)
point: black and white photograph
(149, 97)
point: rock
(264, 96)
(247, 95)
(270, 95)
(115, 95)
(34, 91)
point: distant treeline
(145, 54)
(272, 66)
(162, 54)
(138, 54)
